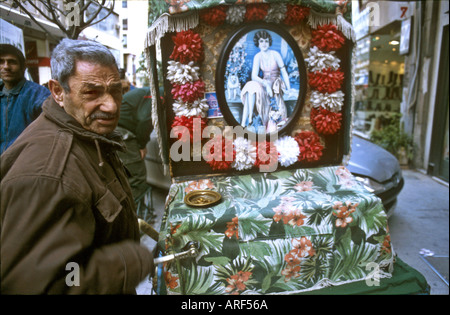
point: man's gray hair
(69, 51)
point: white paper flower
(235, 14)
(198, 107)
(318, 60)
(333, 102)
(288, 150)
(182, 73)
(276, 13)
(245, 154)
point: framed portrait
(261, 79)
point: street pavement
(420, 221)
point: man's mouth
(104, 118)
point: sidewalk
(421, 220)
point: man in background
(21, 100)
(135, 126)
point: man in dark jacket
(68, 221)
(20, 100)
(135, 126)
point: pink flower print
(291, 272)
(199, 185)
(303, 186)
(302, 247)
(343, 213)
(232, 228)
(236, 283)
(289, 213)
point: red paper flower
(327, 37)
(256, 12)
(266, 153)
(233, 228)
(184, 127)
(325, 122)
(214, 16)
(295, 13)
(189, 92)
(217, 161)
(327, 80)
(188, 47)
(310, 146)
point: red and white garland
(188, 89)
(325, 78)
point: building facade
(134, 24)
(40, 36)
(401, 73)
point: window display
(379, 77)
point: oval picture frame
(240, 96)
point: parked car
(377, 169)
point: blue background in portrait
(248, 52)
(251, 50)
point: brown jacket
(65, 199)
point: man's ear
(57, 91)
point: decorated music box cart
(253, 108)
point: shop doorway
(439, 154)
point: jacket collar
(15, 90)
(58, 115)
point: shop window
(379, 73)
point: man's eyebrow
(9, 59)
(89, 85)
(100, 86)
(116, 85)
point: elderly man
(68, 220)
(21, 100)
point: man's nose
(110, 104)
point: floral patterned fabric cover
(276, 233)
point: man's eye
(91, 92)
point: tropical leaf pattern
(275, 233)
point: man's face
(10, 70)
(95, 97)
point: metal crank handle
(191, 251)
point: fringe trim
(155, 120)
(171, 23)
(315, 19)
(183, 22)
(346, 158)
(325, 283)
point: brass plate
(202, 198)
